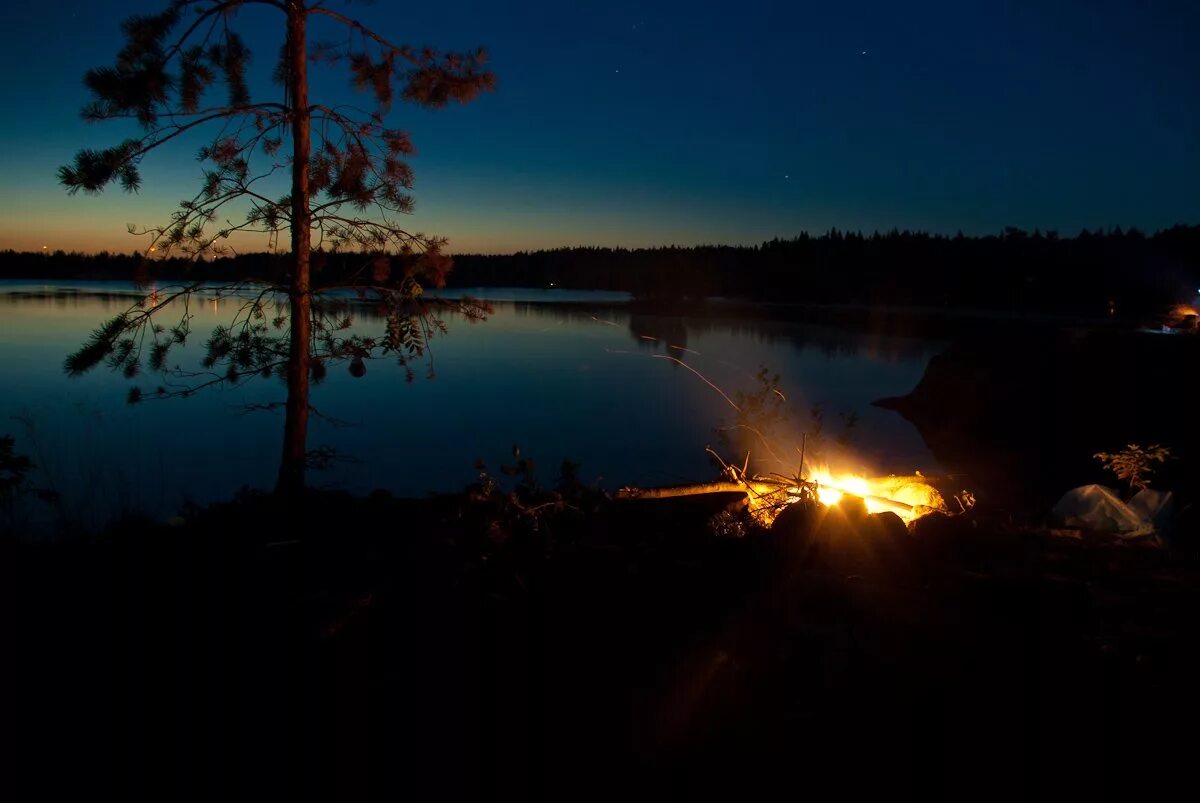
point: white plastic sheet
(1094, 507)
(1156, 507)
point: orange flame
(910, 497)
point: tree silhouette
(348, 185)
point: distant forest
(1088, 274)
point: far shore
(718, 306)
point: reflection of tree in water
(116, 300)
(564, 312)
(668, 334)
(66, 298)
(652, 332)
(657, 332)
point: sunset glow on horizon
(641, 133)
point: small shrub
(1134, 463)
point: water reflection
(661, 331)
(565, 380)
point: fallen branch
(698, 490)
(758, 487)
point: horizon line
(802, 234)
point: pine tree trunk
(295, 428)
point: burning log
(768, 496)
(758, 487)
(675, 491)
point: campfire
(759, 414)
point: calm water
(565, 375)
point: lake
(564, 374)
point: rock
(1002, 409)
(797, 520)
(887, 526)
(852, 507)
(937, 526)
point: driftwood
(725, 487)
(758, 487)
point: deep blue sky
(673, 122)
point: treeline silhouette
(1012, 270)
(1092, 273)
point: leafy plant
(731, 523)
(515, 509)
(15, 483)
(1134, 464)
(14, 468)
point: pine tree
(349, 183)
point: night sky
(641, 124)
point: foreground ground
(338, 647)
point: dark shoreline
(336, 646)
